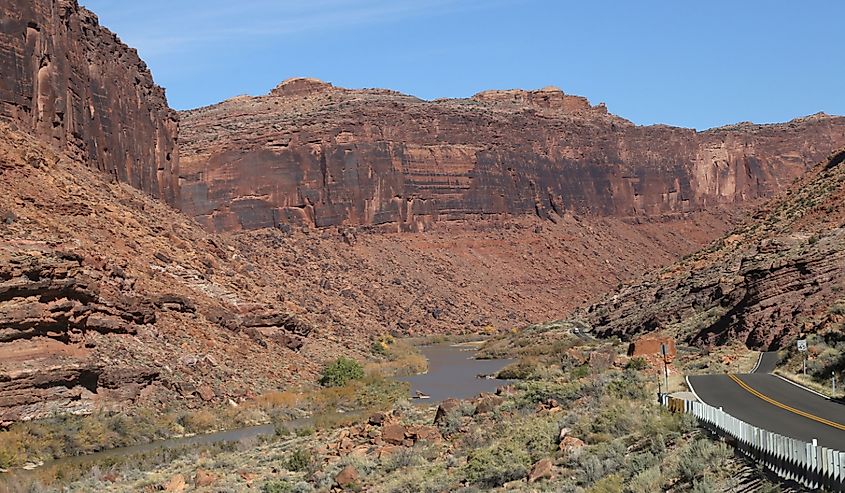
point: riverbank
(269, 415)
(582, 419)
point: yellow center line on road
(784, 406)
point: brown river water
(453, 373)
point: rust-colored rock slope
(524, 205)
(109, 298)
(74, 85)
(314, 154)
(781, 274)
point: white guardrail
(809, 464)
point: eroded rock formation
(314, 154)
(76, 86)
(109, 299)
(780, 275)
(48, 301)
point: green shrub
(637, 363)
(277, 486)
(703, 486)
(646, 481)
(700, 456)
(609, 484)
(341, 371)
(494, 466)
(523, 369)
(299, 460)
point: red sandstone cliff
(764, 283)
(76, 86)
(311, 153)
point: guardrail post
(791, 459)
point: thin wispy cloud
(157, 31)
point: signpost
(802, 347)
(664, 350)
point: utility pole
(833, 384)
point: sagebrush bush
(341, 371)
(298, 461)
(609, 484)
(700, 456)
(637, 363)
(277, 486)
(646, 481)
(496, 465)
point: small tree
(341, 371)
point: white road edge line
(759, 359)
(692, 389)
(801, 386)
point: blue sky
(690, 63)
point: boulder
(176, 484)
(377, 419)
(570, 444)
(541, 470)
(347, 477)
(204, 478)
(393, 434)
(487, 403)
(446, 408)
(206, 393)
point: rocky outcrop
(48, 301)
(111, 300)
(52, 295)
(763, 284)
(313, 154)
(76, 86)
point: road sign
(664, 349)
(802, 344)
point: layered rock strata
(779, 276)
(313, 154)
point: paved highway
(767, 363)
(769, 402)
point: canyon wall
(74, 84)
(313, 154)
(764, 284)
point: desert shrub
(534, 392)
(703, 486)
(609, 484)
(637, 363)
(615, 419)
(198, 421)
(406, 457)
(700, 456)
(496, 465)
(523, 369)
(300, 460)
(341, 372)
(637, 463)
(537, 437)
(591, 467)
(277, 486)
(630, 384)
(580, 371)
(11, 448)
(434, 479)
(837, 308)
(646, 481)
(375, 391)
